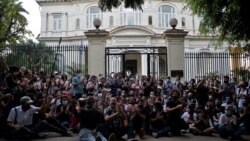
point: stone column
(96, 51)
(175, 50)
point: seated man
(158, 122)
(116, 122)
(90, 118)
(20, 120)
(228, 124)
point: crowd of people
(102, 108)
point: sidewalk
(186, 137)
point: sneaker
(154, 135)
(170, 134)
(112, 137)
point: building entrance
(137, 60)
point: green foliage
(242, 73)
(32, 55)
(212, 75)
(71, 69)
(109, 4)
(227, 19)
(12, 22)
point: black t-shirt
(217, 112)
(63, 116)
(172, 116)
(90, 118)
(159, 123)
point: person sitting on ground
(20, 120)
(90, 118)
(228, 124)
(190, 116)
(116, 122)
(174, 108)
(158, 122)
(202, 126)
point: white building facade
(69, 19)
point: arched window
(77, 24)
(130, 16)
(183, 22)
(111, 20)
(150, 22)
(165, 13)
(92, 13)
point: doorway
(131, 65)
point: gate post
(175, 50)
(96, 49)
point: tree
(12, 22)
(109, 4)
(226, 19)
(32, 55)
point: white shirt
(242, 93)
(226, 121)
(185, 116)
(22, 117)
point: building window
(77, 26)
(165, 13)
(57, 22)
(111, 20)
(150, 22)
(92, 13)
(183, 22)
(130, 16)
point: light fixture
(97, 23)
(173, 22)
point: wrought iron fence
(67, 58)
(200, 65)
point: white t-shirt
(242, 93)
(185, 116)
(226, 121)
(22, 117)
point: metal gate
(136, 60)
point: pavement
(186, 137)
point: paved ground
(186, 137)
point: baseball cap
(26, 99)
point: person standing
(77, 82)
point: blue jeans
(161, 132)
(224, 132)
(87, 135)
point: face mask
(228, 113)
(112, 104)
(64, 102)
(165, 96)
(140, 106)
(154, 109)
(175, 97)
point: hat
(26, 99)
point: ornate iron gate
(136, 60)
